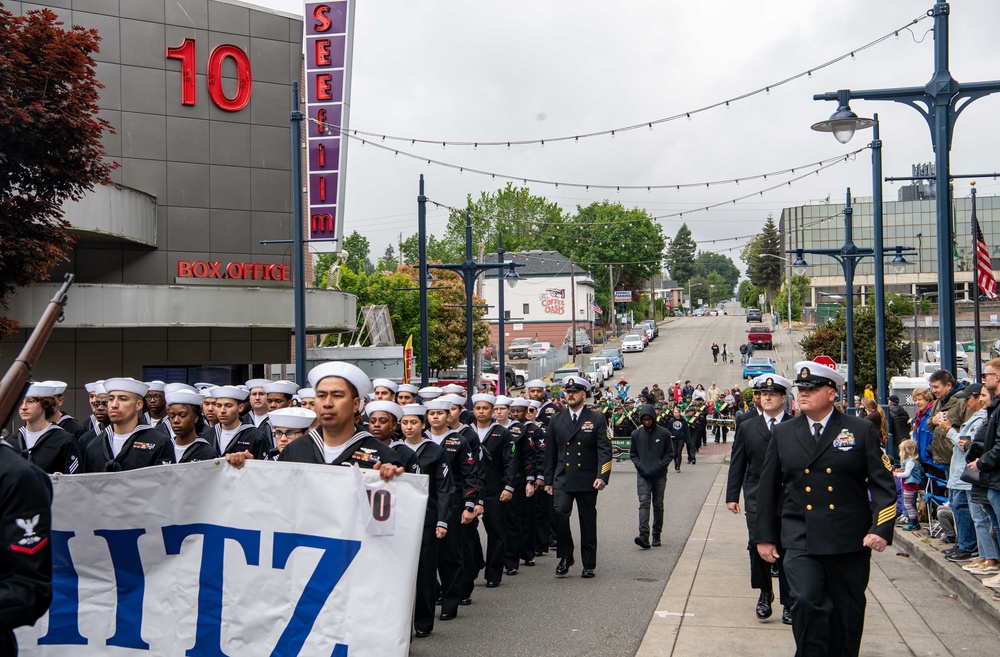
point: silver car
(632, 343)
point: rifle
(15, 381)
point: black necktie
(574, 416)
(817, 430)
(773, 422)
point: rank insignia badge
(844, 441)
(587, 426)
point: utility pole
(611, 301)
(572, 303)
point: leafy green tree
(50, 148)
(764, 269)
(437, 250)
(680, 257)
(521, 217)
(699, 289)
(827, 338)
(800, 292)
(359, 252)
(388, 261)
(708, 262)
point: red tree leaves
(50, 142)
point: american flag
(596, 308)
(987, 282)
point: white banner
(201, 559)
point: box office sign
(326, 25)
(217, 271)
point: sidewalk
(707, 607)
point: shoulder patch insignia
(887, 463)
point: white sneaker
(992, 582)
(988, 569)
(975, 566)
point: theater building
(172, 281)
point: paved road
(536, 613)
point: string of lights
(766, 89)
(525, 180)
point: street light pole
(940, 102)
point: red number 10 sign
(186, 52)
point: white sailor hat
(350, 373)
(430, 392)
(256, 383)
(178, 393)
(281, 387)
(454, 400)
(155, 386)
(503, 400)
(407, 387)
(90, 387)
(536, 383)
(307, 393)
(127, 384)
(291, 418)
(575, 383)
(810, 374)
(99, 388)
(535, 404)
(452, 389)
(60, 386)
(227, 392)
(386, 383)
(41, 389)
(392, 408)
(414, 409)
(772, 383)
(483, 397)
(520, 402)
(439, 404)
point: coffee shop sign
(553, 301)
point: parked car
(757, 365)
(760, 337)
(449, 377)
(932, 353)
(563, 372)
(642, 335)
(754, 315)
(518, 349)
(652, 325)
(539, 349)
(615, 355)
(595, 374)
(633, 342)
(606, 365)
(583, 344)
(515, 377)
(926, 369)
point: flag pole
(975, 287)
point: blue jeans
(965, 531)
(983, 516)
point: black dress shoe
(774, 570)
(642, 541)
(786, 616)
(553, 543)
(492, 585)
(764, 605)
(564, 565)
(529, 562)
(511, 572)
(656, 541)
(588, 573)
(447, 617)
(423, 634)
(438, 601)
(465, 602)
(677, 469)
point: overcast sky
(477, 70)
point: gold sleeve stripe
(606, 467)
(887, 463)
(887, 514)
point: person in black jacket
(231, 434)
(126, 444)
(899, 425)
(26, 552)
(183, 404)
(680, 435)
(45, 444)
(651, 451)
(499, 476)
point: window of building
(506, 315)
(524, 309)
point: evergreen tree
(763, 270)
(680, 258)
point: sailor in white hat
(185, 422)
(827, 496)
(383, 422)
(536, 390)
(232, 435)
(499, 472)
(98, 401)
(258, 401)
(538, 507)
(65, 421)
(406, 393)
(430, 392)
(156, 406)
(339, 388)
(47, 445)
(289, 424)
(307, 399)
(126, 444)
(384, 389)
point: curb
(967, 587)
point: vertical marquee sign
(328, 54)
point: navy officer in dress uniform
(577, 468)
(813, 498)
(753, 435)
